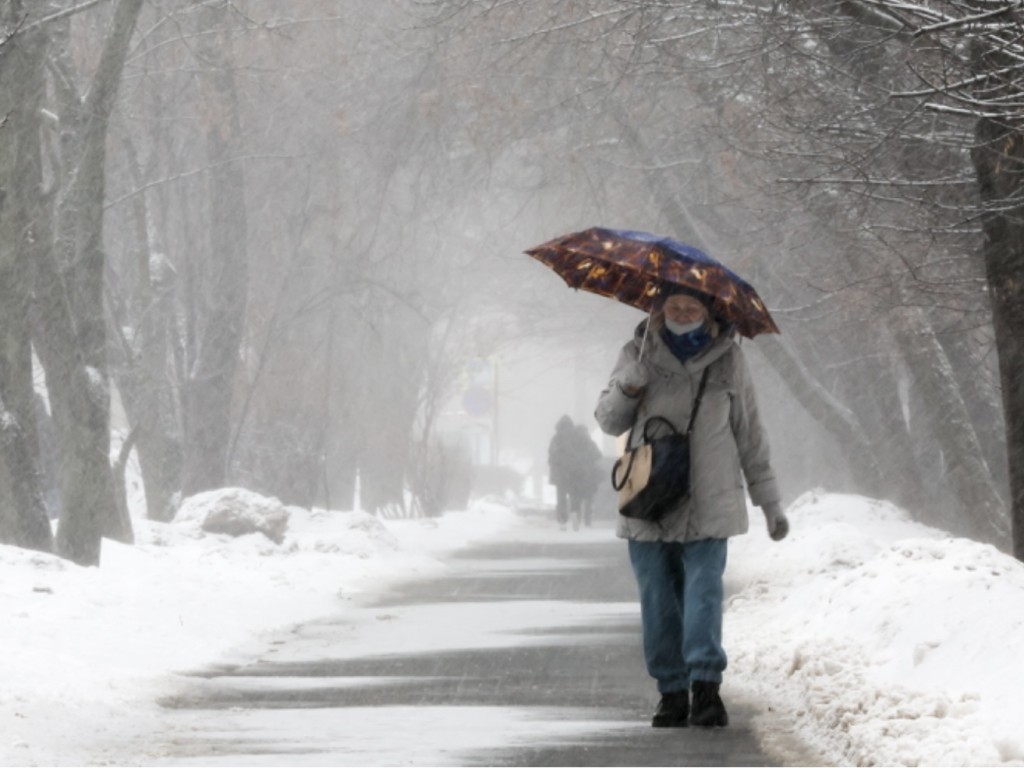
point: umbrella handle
(647, 328)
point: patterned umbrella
(635, 268)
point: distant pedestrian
(679, 560)
(585, 477)
(561, 463)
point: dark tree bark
(23, 518)
(71, 325)
(999, 162)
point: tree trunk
(143, 373)
(981, 511)
(71, 318)
(384, 454)
(23, 518)
(999, 162)
(833, 416)
(208, 390)
(977, 379)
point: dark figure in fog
(679, 560)
(561, 466)
(585, 476)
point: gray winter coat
(727, 436)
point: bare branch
(967, 21)
(63, 14)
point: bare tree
(927, 73)
(23, 518)
(62, 232)
(144, 326)
(216, 280)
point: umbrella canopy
(636, 268)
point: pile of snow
(889, 642)
(235, 512)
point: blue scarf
(686, 345)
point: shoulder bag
(654, 477)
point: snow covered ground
(892, 643)
(889, 643)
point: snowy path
(525, 653)
(881, 641)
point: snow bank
(81, 649)
(890, 642)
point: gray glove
(778, 525)
(632, 379)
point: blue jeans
(681, 597)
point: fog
(278, 378)
(288, 240)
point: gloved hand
(632, 379)
(778, 525)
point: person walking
(585, 477)
(679, 560)
(561, 463)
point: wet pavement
(565, 686)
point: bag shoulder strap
(693, 413)
(629, 438)
(655, 420)
(700, 396)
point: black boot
(708, 709)
(673, 710)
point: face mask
(678, 329)
(686, 345)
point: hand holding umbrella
(633, 380)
